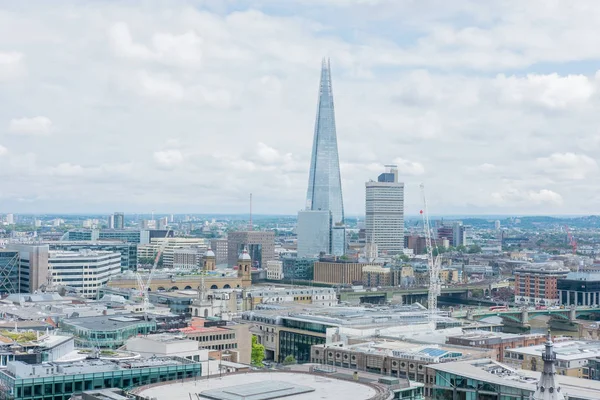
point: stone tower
(210, 261)
(245, 268)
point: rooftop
(493, 372)
(260, 385)
(565, 350)
(105, 322)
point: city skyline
(187, 109)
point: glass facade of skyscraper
(324, 184)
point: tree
(289, 360)
(258, 352)
(474, 249)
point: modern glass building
(324, 182)
(314, 233)
(9, 272)
(50, 381)
(106, 331)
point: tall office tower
(33, 266)
(314, 233)
(259, 244)
(385, 212)
(119, 220)
(111, 221)
(324, 182)
(10, 219)
(459, 234)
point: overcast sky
(188, 106)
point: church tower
(210, 261)
(547, 388)
(245, 268)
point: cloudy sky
(188, 106)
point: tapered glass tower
(324, 182)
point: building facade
(275, 270)
(500, 342)
(33, 266)
(128, 250)
(538, 283)
(338, 273)
(314, 233)
(259, 244)
(230, 338)
(384, 208)
(52, 381)
(9, 272)
(219, 247)
(85, 270)
(579, 289)
(324, 182)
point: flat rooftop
(105, 322)
(323, 387)
(490, 371)
(257, 391)
(566, 350)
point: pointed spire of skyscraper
(547, 387)
(324, 182)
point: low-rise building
(109, 331)
(232, 341)
(538, 283)
(399, 359)
(499, 342)
(571, 357)
(339, 273)
(52, 381)
(274, 270)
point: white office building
(85, 270)
(314, 232)
(385, 212)
(275, 270)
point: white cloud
(551, 91)
(3, 151)
(31, 126)
(526, 198)
(11, 65)
(159, 86)
(166, 48)
(568, 165)
(472, 98)
(168, 158)
(410, 168)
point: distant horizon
(245, 215)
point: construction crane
(435, 287)
(143, 286)
(571, 239)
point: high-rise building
(9, 272)
(33, 266)
(85, 270)
(119, 220)
(259, 244)
(314, 233)
(324, 182)
(459, 234)
(219, 247)
(385, 212)
(10, 219)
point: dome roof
(245, 256)
(209, 253)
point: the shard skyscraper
(324, 182)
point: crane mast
(143, 286)
(435, 288)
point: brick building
(537, 283)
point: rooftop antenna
(250, 225)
